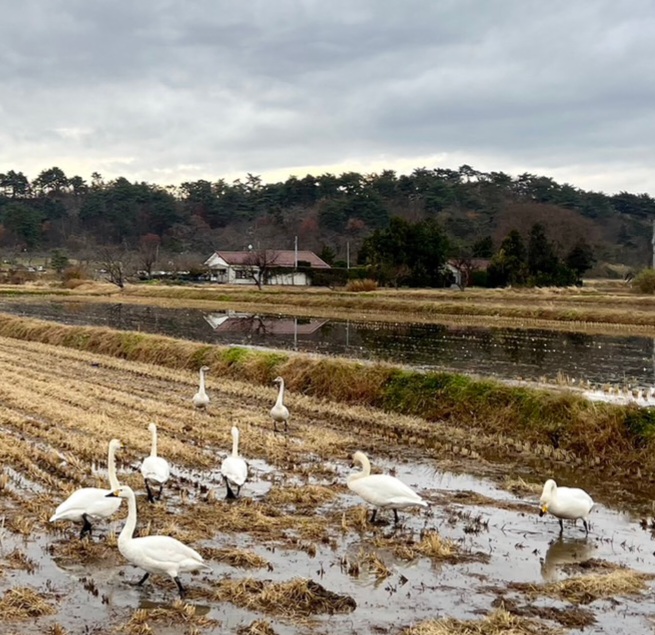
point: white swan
(279, 412)
(201, 399)
(565, 502)
(381, 490)
(91, 503)
(234, 468)
(155, 554)
(155, 469)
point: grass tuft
(498, 622)
(297, 598)
(23, 603)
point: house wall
(233, 276)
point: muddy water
(508, 542)
(500, 352)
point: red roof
(276, 257)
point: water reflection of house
(241, 267)
(244, 323)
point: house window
(241, 274)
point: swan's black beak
(543, 509)
(111, 495)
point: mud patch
(569, 617)
(586, 589)
(297, 598)
(500, 621)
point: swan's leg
(561, 526)
(86, 527)
(274, 425)
(161, 489)
(395, 516)
(179, 586)
(286, 426)
(151, 498)
(238, 490)
(230, 493)
(586, 526)
(143, 579)
(374, 514)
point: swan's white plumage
(279, 412)
(381, 490)
(92, 502)
(155, 554)
(569, 503)
(234, 468)
(154, 469)
(201, 399)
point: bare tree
(148, 252)
(116, 263)
(259, 264)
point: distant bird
(154, 554)
(234, 468)
(565, 502)
(155, 469)
(91, 503)
(201, 400)
(279, 412)
(381, 490)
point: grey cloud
(260, 86)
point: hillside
(327, 213)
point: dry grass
(185, 618)
(500, 621)
(237, 558)
(431, 545)
(23, 603)
(297, 598)
(589, 588)
(258, 627)
(306, 496)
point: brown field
(296, 554)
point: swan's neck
(235, 443)
(153, 448)
(130, 524)
(111, 468)
(202, 381)
(280, 394)
(365, 471)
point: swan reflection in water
(565, 551)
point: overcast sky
(170, 90)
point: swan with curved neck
(154, 469)
(279, 412)
(381, 490)
(91, 503)
(158, 555)
(201, 400)
(565, 503)
(234, 468)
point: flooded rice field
(296, 553)
(506, 353)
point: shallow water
(500, 352)
(513, 543)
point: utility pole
(348, 254)
(653, 243)
(295, 253)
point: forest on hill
(329, 214)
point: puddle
(511, 545)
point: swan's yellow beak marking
(544, 508)
(115, 493)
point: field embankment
(589, 309)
